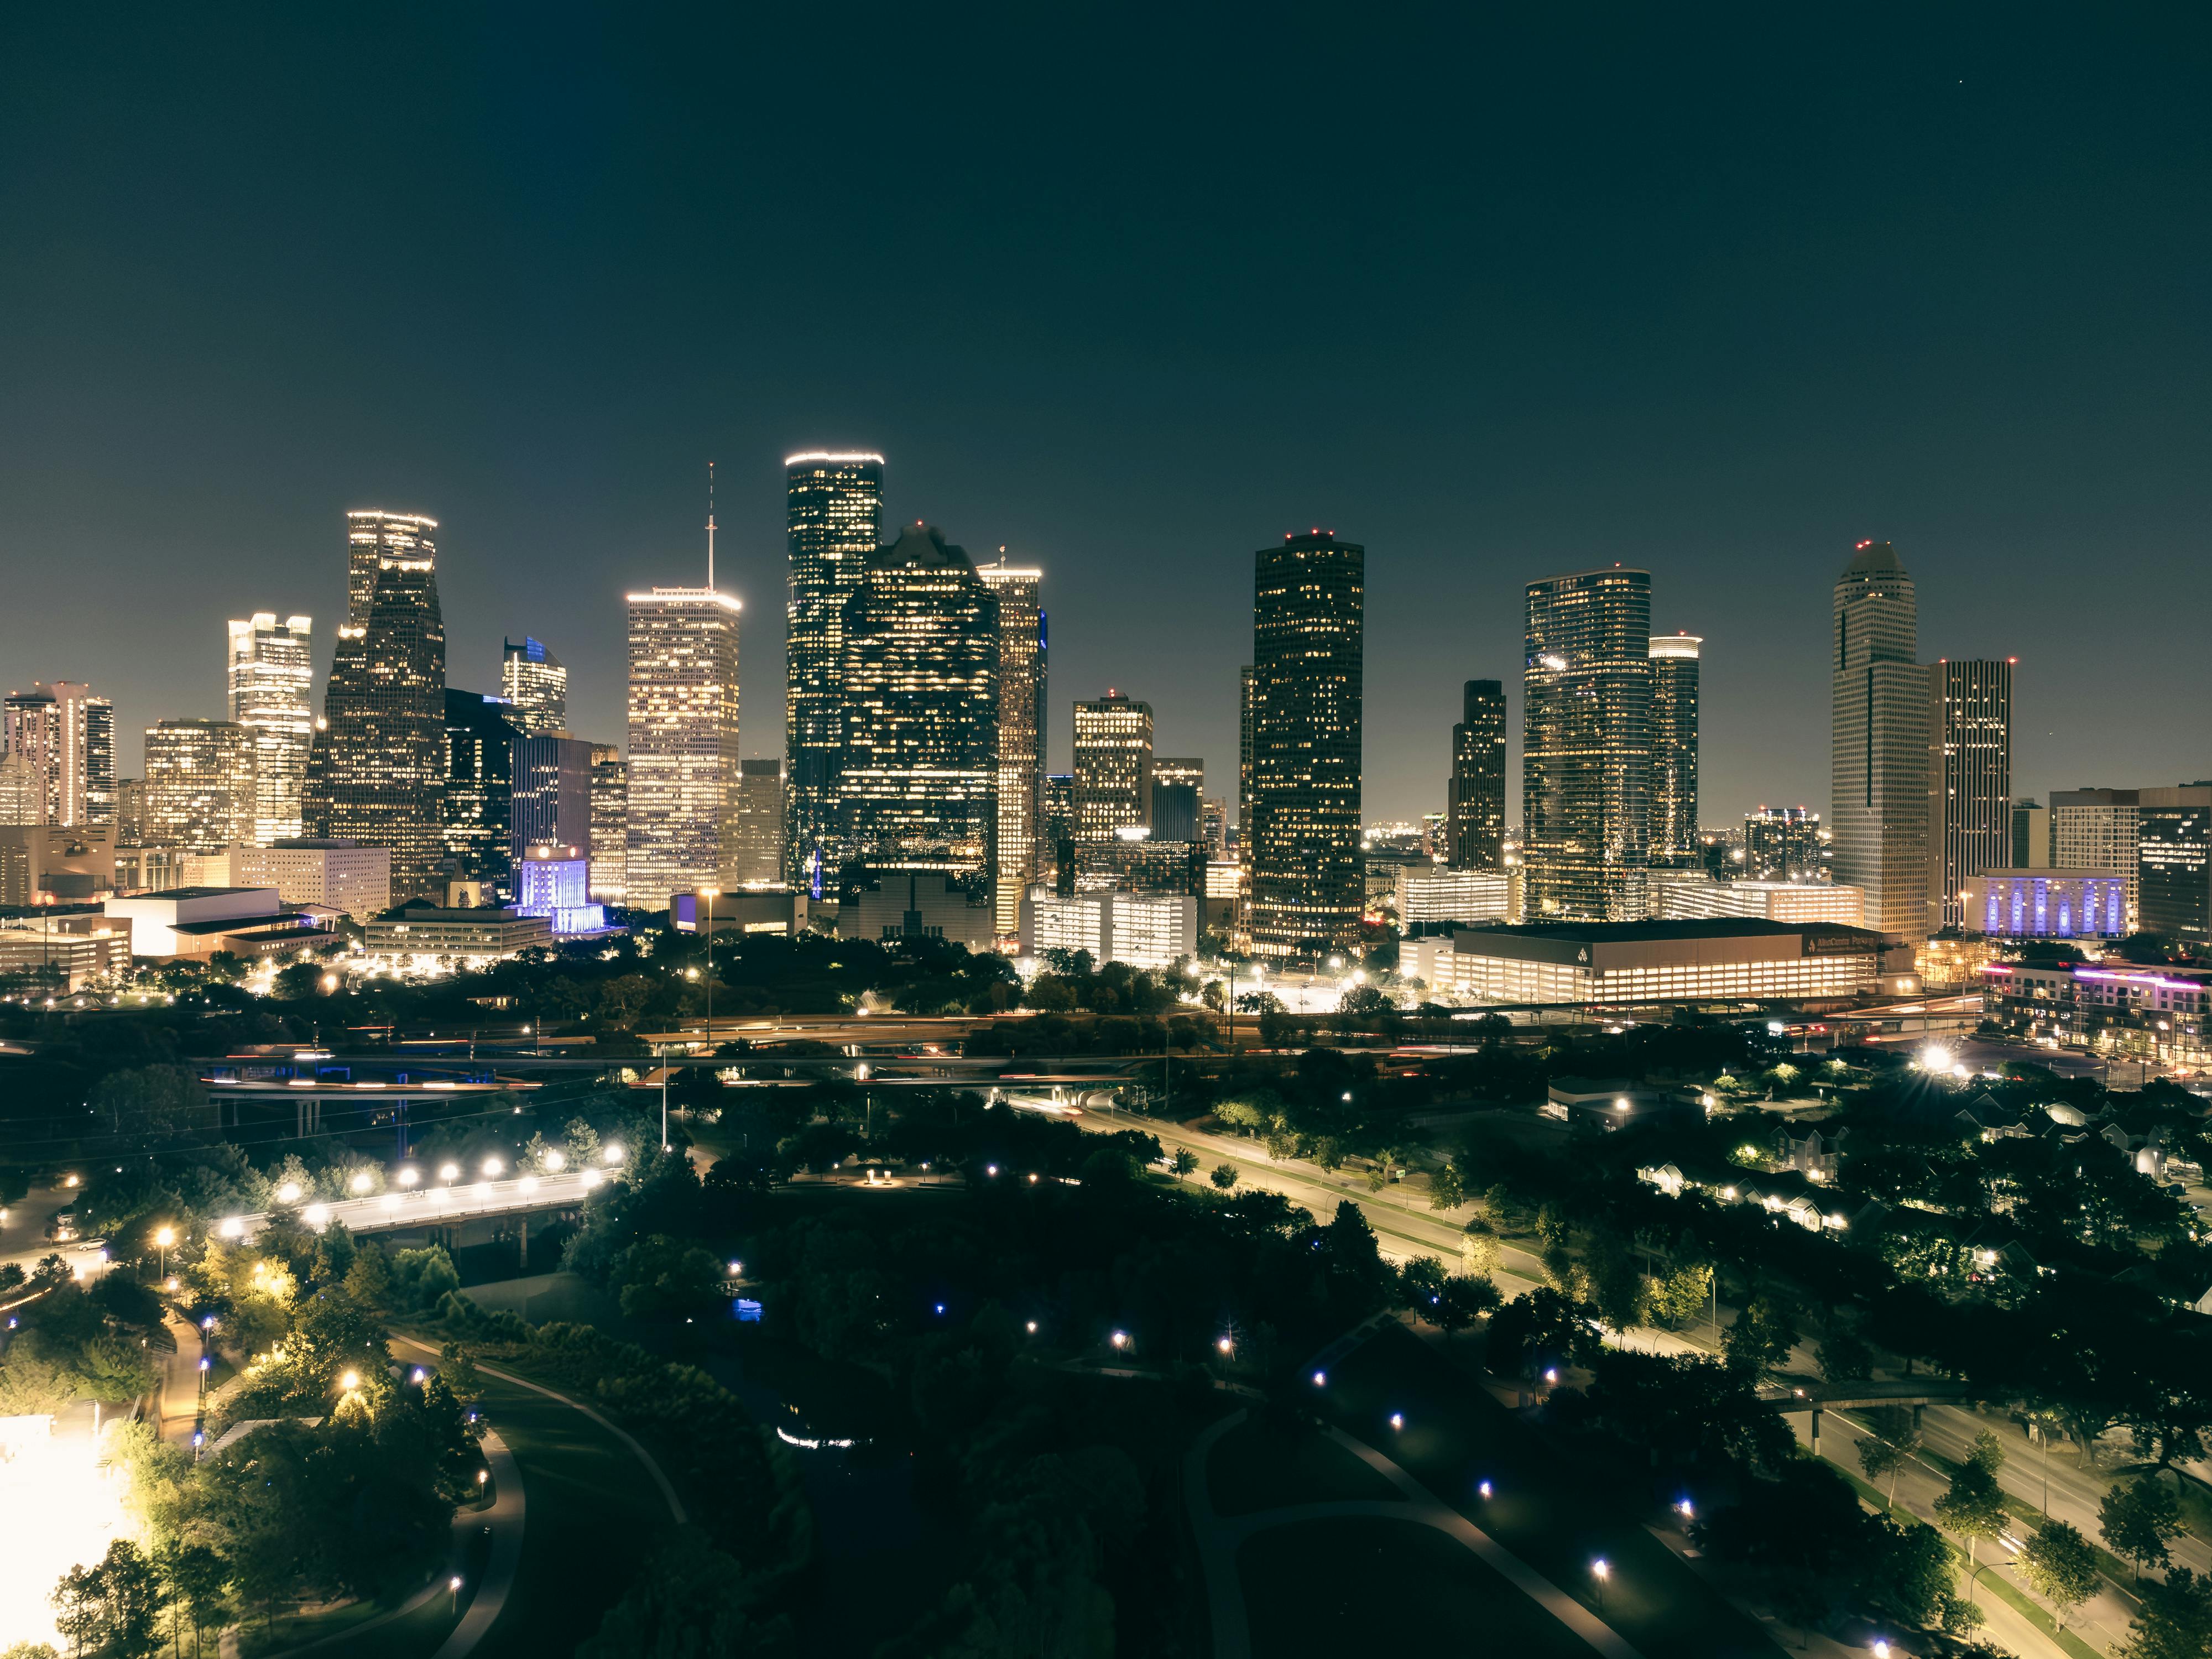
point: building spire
(710, 526)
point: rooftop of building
(1615, 933)
(1875, 558)
(919, 547)
(168, 894)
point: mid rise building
(1113, 767)
(1586, 747)
(476, 933)
(376, 762)
(1213, 824)
(609, 824)
(339, 875)
(1969, 780)
(1056, 830)
(1022, 664)
(1474, 798)
(200, 786)
(532, 679)
(682, 794)
(2031, 836)
(2045, 904)
(1674, 747)
(476, 825)
(833, 504)
(914, 904)
(66, 736)
(2174, 863)
(552, 796)
(1426, 895)
(2098, 829)
(269, 685)
(1148, 931)
(1879, 742)
(1309, 630)
(23, 792)
(1687, 894)
(554, 882)
(761, 819)
(130, 809)
(50, 863)
(1784, 843)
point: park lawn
(363, 1631)
(1345, 1586)
(1255, 1468)
(1547, 1507)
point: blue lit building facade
(2046, 903)
(555, 882)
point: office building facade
(833, 504)
(1730, 959)
(1684, 894)
(1586, 745)
(66, 736)
(2173, 864)
(682, 796)
(1878, 769)
(374, 538)
(609, 824)
(552, 799)
(1784, 843)
(532, 679)
(1144, 930)
(1673, 837)
(1308, 621)
(1426, 895)
(2098, 829)
(759, 860)
(1474, 798)
(269, 685)
(200, 793)
(1022, 664)
(1969, 780)
(2030, 836)
(477, 831)
(1113, 767)
(342, 875)
(1244, 765)
(2045, 904)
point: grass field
(1256, 1468)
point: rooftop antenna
(710, 526)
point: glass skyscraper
(682, 798)
(759, 859)
(833, 506)
(1309, 883)
(1586, 745)
(376, 764)
(533, 680)
(1021, 733)
(1878, 769)
(373, 537)
(477, 828)
(2174, 859)
(918, 785)
(609, 824)
(1474, 797)
(200, 792)
(1969, 782)
(1674, 748)
(271, 683)
(1113, 767)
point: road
(23, 1238)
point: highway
(439, 1204)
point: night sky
(1130, 293)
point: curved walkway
(1220, 1537)
(504, 1522)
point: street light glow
(612, 1153)
(350, 1382)
(165, 1236)
(1321, 1379)
(449, 1172)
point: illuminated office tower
(376, 763)
(1586, 745)
(1673, 837)
(65, 736)
(1783, 843)
(478, 823)
(533, 680)
(1021, 733)
(374, 538)
(1878, 770)
(918, 787)
(270, 686)
(200, 792)
(1244, 766)
(1474, 800)
(1113, 767)
(552, 791)
(1969, 782)
(681, 799)
(2174, 863)
(759, 860)
(1309, 882)
(609, 824)
(834, 506)
(23, 794)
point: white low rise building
(1144, 930)
(1429, 894)
(341, 874)
(1691, 895)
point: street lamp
(350, 1382)
(454, 1585)
(709, 894)
(163, 1238)
(1600, 1572)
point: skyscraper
(270, 685)
(1474, 800)
(1244, 766)
(759, 861)
(552, 792)
(1309, 884)
(610, 824)
(477, 824)
(2174, 857)
(1878, 812)
(835, 505)
(376, 764)
(532, 679)
(1178, 799)
(1782, 843)
(2100, 829)
(1674, 748)
(66, 737)
(918, 786)
(1586, 745)
(1969, 780)
(682, 784)
(1113, 767)
(200, 792)
(1021, 731)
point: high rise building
(2174, 863)
(200, 792)
(609, 824)
(374, 538)
(918, 787)
(271, 693)
(552, 791)
(2100, 829)
(1474, 798)
(1309, 884)
(1586, 745)
(532, 679)
(1178, 799)
(682, 798)
(1674, 748)
(1021, 731)
(1214, 824)
(376, 763)
(1782, 843)
(2031, 836)
(834, 506)
(1969, 782)
(1056, 829)
(1113, 767)
(66, 737)
(1879, 749)
(1244, 766)
(23, 792)
(759, 861)
(477, 821)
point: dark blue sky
(1131, 292)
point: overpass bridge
(1812, 1394)
(443, 1206)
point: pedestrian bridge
(1811, 1393)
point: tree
(1477, 1248)
(662, 1277)
(1879, 1457)
(1678, 1298)
(1223, 1175)
(151, 1100)
(1466, 1298)
(689, 1598)
(1616, 1288)
(32, 1387)
(1446, 1190)
(1762, 1336)
(2061, 1566)
(1184, 1163)
(196, 1580)
(1844, 1353)
(1973, 1505)
(2138, 1520)
(2175, 1622)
